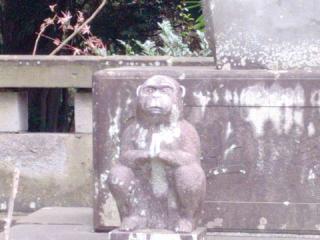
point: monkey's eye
(149, 90)
(167, 90)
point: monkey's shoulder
(188, 128)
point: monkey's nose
(156, 93)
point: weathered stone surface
(83, 112)
(56, 170)
(259, 132)
(274, 34)
(13, 111)
(75, 71)
(198, 234)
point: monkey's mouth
(155, 110)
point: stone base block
(56, 170)
(149, 234)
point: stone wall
(259, 135)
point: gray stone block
(83, 112)
(13, 111)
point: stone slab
(75, 71)
(276, 34)
(59, 216)
(198, 234)
(13, 111)
(259, 135)
(56, 170)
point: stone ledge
(69, 71)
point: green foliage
(195, 5)
(171, 44)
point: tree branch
(76, 31)
(14, 191)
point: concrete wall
(56, 169)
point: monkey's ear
(138, 90)
(183, 91)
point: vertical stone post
(83, 111)
(13, 111)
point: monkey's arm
(134, 158)
(188, 151)
(177, 158)
(129, 155)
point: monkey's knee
(120, 178)
(190, 179)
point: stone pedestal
(198, 234)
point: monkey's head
(160, 100)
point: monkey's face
(157, 97)
(160, 100)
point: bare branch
(76, 31)
(15, 185)
(37, 41)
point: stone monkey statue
(158, 181)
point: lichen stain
(203, 100)
(311, 129)
(217, 222)
(262, 223)
(114, 132)
(274, 104)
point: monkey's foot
(184, 226)
(132, 223)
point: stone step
(56, 223)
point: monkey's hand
(176, 158)
(134, 158)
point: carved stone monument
(158, 181)
(274, 34)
